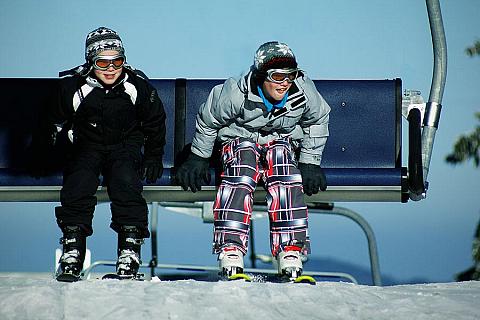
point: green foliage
(467, 147)
(473, 50)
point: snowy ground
(40, 297)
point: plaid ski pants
(244, 163)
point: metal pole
(153, 227)
(372, 243)
(253, 255)
(375, 269)
(434, 104)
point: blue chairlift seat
(362, 158)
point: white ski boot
(230, 262)
(290, 264)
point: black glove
(193, 173)
(313, 178)
(152, 170)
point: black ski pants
(120, 167)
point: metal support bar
(372, 243)
(184, 267)
(154, 248)
(323, 208)
(314, 208)
(253, 255)
(153, 233)
(319, 208)
(111, 263)
(439, 44)
(434, 104)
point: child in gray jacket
(261, 120)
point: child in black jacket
(108, 111)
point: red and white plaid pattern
(244, 163)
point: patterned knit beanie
(274, 55)
(102, 39)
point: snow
(41, 297)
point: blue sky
(428, 240)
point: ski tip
(111, 276)
(67, 278)
(305, 279)
(240, 276)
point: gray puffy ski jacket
(234, 110)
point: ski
(271, 278)
(299, 279)
(305, 279)
(240, 276)
(114, 276)
(68, 277)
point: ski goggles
(104, 62)
(280, 75)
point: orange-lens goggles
(104, 62)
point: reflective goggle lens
(104, 62)
(280, 76)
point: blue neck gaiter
(270, 105)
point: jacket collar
(95, 83)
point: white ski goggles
(280, 75)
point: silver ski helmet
(274, 55)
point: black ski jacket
(92, 115)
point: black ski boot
(129, 245)
(74, 248)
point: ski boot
(290, 266)
(74, 248)
(290, 263)
(128, 262)
(231, 264)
